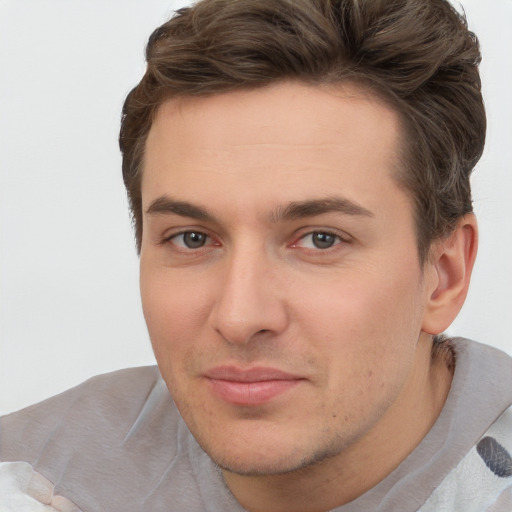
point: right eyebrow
(164, 205)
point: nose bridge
(247, 301)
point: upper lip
(254, 374)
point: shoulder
(479, 478)
(115, 442)
(102, 404)
(482, 481)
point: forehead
(296, 138)
(326, 114)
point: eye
(318, 240)
(190, 239)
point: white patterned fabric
(24, 490)
(482, 481)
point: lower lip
(251, 393)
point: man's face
(279, 272)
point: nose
(249, 301)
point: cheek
(175, 312)
(366, 324)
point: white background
(69, 303)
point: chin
(260, 466)
(271, 458)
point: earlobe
(449, 269)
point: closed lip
(248, 375)
(250, 386)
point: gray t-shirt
(117, 443)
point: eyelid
(167, 238)
(343, 238)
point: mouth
(250, 387)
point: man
(298, 174)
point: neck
(342, 478)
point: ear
(448, 272)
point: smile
(252, 387)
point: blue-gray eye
(323, 240)
(193, 239)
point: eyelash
(183, 247)
(338, 239)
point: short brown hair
(418, 55)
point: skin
(348, 311)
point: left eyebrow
(301, 209)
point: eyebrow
(165, 205)
(301, 209)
